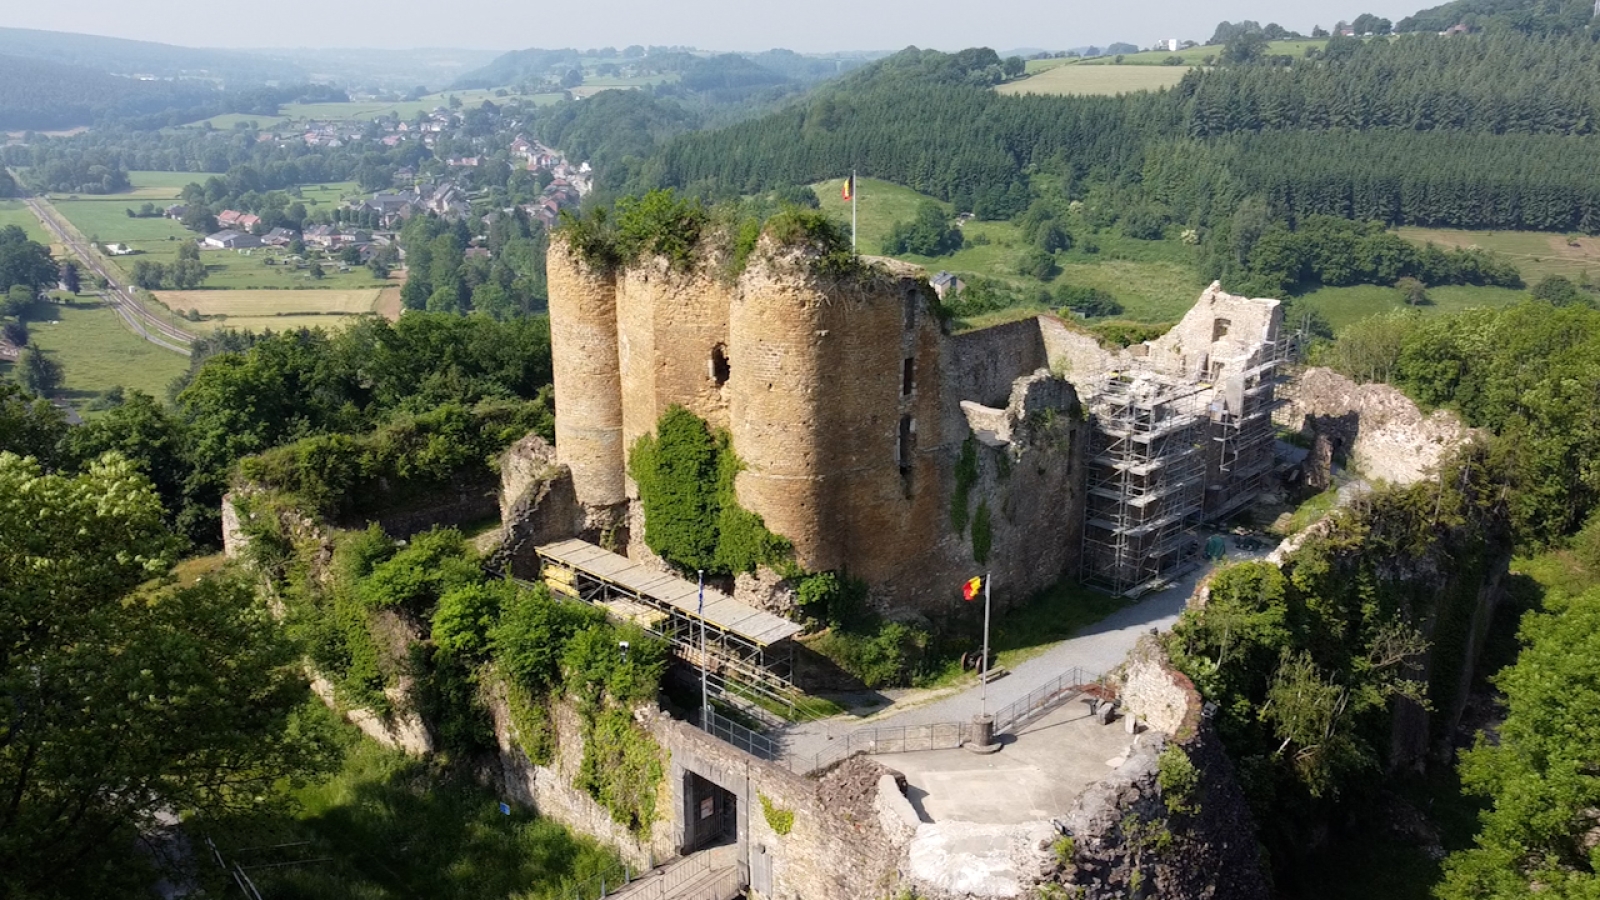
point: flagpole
(855, 191)
(705, 697)
(983, 677)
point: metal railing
(1057, 691)
(899, 738)
(749, 740)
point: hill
(124, 57)
(1528, 16)
(519, 65)
(41, 95)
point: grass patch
(1105, 80)
(1536, 254)
(248, 269)
(1053, 615)
(1310, 511)
(152, 186)
(1343, 305)
(97, 352)
(387, 826)
(15, 212)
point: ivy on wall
(692, 518)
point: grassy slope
(97, 351)
(1344, 305)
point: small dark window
(908, 434)
(908, 377)
(719, 365)
(1219, 329)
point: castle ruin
(875, 440)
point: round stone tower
(776, 383)
(583, 345)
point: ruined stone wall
(981, 365)
(1156, 693)
(587, 368)
(1220, 336)
(1377, 428)
(538, 505)
(1072, 354)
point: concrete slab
(1037, 775)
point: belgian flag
(971, 589)
(849, 187)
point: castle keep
(882, 445)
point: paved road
(1097, 649)
(133, 314)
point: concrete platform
(1037, 774)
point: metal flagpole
(983, 677)
(705, 698)
(855, 191)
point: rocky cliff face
(1380, 430)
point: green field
(98, 352)
(1536, 254)
(248, 269)
(275, 310)
(1097, 80)
(107, 221)
(15, 212)
(1344, 305)
(406, 109)
(154, 186)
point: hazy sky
(805, 25)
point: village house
(280, 237)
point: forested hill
(124, 57)
(930, 121)
(41, 95)
(1530, 16)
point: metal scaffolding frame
(1242, 432)
(1147, 470)
(747, 651)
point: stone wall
(1157, 694)
(538, 505)
(1380, 430)
(1220, 336)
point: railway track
(120, 297)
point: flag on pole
(971, 589)
(850, 187)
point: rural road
(138, 319)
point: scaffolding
(1242, 432)
(1147, 474)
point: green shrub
(662, 224)
(881, 654)
(621, 769)
(465, 615)
(532, 633)
(598, 667)
(415, 578)
(966, 474)
(1179, 781)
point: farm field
(270, 303)
(15, 212)
(97, 352)
(1536, 253)
(1104, 80)
(159, 185)
(1342, 306)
